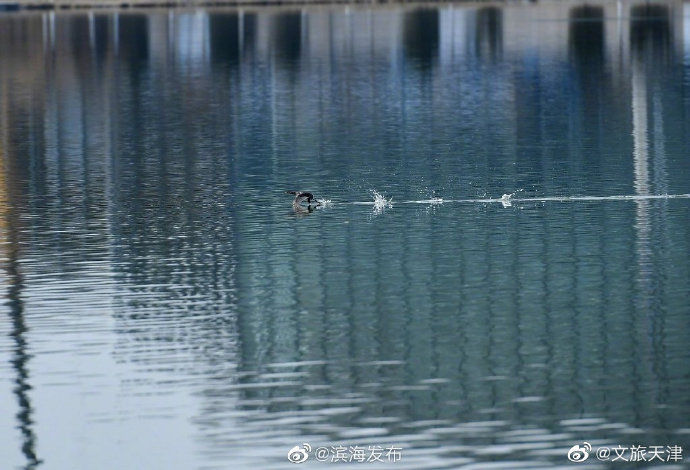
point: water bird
(304, 196)
(301, 196)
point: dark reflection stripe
(10, 229)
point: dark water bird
(301, 196)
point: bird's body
(302, 196)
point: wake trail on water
(380, 202)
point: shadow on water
(421, 36)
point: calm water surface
(164, 307)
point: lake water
(166, 308)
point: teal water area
(165, 306)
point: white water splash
(507, 199)
(325, 202)
(380, 202)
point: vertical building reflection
(650, 43)
(586, 40)
(190, 31)
(133, 38)
(650, 32)
(489, 33)
(421, 36)
(651, 48)
(591, 100)
(224, 32)
(10, 242)
(201, 272)
(249, 26)
(286, 37)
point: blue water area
(498, 269)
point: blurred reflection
(650, 31)
(99, 35)
(421, 36)
(468, 323)
(11, 255)
(191, 44)
(650, 44)
(489, 40)
(286, 37)
(651, 50)
(586, 40)
(249, 24)
(225, 37)
(133, 37)
(587, 48)
(78, 30)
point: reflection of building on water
(224, 34)
(586, 37)
(421, 35)
(424, 33)
(286, 37)
(191, 38)
(652, 44)
(652, 51)
(238, 278)
(650, 31)
(133, 37)
(13, 280)
(489, 41)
